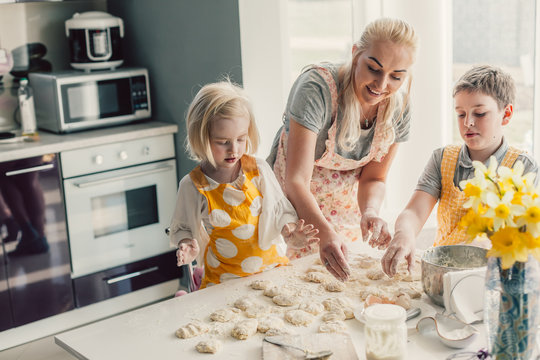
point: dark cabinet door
(37, 263)
(6, 319)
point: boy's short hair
(217, 100)
(489, 80)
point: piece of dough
(261, 284)
(375, 274)
(334, 315)
(333, 327)
(334, 286)
(317, 268)
(210, 346)
(256, 311)
(336, 303)
(270, 322)
(275, 332)
(245, 329)
(222, 315)
(299, 317)
(316, 277)
(312, 307)
(286, 300)
(243, 303)
(192, 329)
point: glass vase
(511, 309)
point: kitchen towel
(463, 294)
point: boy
(483, 99)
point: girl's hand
(380, 236)
(334, 255)
(400, 247)
(188, 249)
(298, 235)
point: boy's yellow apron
(233, 249)
(451, 209)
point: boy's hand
(380, 236)
(298, 235)
(400, 247)
(188, 249)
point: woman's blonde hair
(223, 100)
(383, 29)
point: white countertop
(54, 143)
(149, 332)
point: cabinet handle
(132, 275)
(83, 184)
(28, 170)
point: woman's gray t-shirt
(310, 105)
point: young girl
(231, 205)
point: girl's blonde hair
(384, 29)
(217, 100)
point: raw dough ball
(336, 303)
(243, 303)
(286, 300)
(277, 290)
(192, 329)
(245, 329)
(312, 307)
(333, 327)
(299, 317)
(316, 277)
(334, 315)
(270, 322)
(222, 315)
(375, 274)
(334, 286)
(284, 331)
(211, 346)
(256, 311)
(261, 284)
(366, 262)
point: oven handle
(161, 168)
(132, 275)
(29, 170)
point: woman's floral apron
(335, 178)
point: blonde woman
(231, 205)
(342, 127)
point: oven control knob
(123, 155)
(98, 159)
(146, 150)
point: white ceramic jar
(385, 332)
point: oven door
(119, 216)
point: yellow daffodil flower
(510, 245)
(531, 216)
(502, 211)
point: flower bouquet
(504, 208)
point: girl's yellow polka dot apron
(334, 182)
(233, 249)
(451, 209)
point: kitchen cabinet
(35, 280)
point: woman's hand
(372, 223)
(298, 235)
(334, 255)
(188, 249)
(401, 246)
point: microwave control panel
(138, 93)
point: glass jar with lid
(385, 332)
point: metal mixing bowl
(437, 261)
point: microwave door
(91, 102)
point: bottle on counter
(385, 332)
(26, 108)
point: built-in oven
(119, 198)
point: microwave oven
(73, 100)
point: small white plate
(425, 310)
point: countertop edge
(55, 143)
